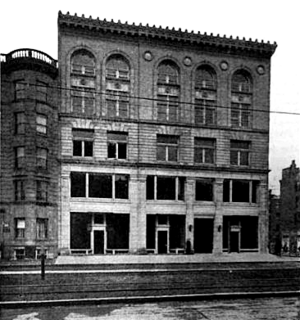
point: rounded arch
(168, 71)
(242, 81)
(119, 56)
(205, 76)
(83, 61)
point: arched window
(83, 82)
(168, 91)
(205, 95)
(241, 99)
(117, 73)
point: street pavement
(280, 308)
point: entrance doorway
(98, 241)
(203, 235)
(162, 241)
(234, 241)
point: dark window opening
(117, 231)
(80, 234)
(78, 181)
(150, 188)
(166, 188)
(204, 190)
(100, 186)
(121, 186)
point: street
(285, 308)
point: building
(290, 209)
(29, 153)
(275, 244)
(162, 141)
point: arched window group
(118, 87)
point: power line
(183, 104)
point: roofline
(147, 31)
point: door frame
(93, 237)
(234, 229)
(158, 229)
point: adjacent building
(156, 142)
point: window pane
(181, 185)
(88, 148)
(122, 150)
(111, 150)
(172, 153)
(121, 186)
(150, 188)
(240, 191)
(166, 188)
(226, 190)
(244, 161)
(100, 186)
(77, 184)
(234, 157)
(161, 153)
(77, 146)
(209, 156)
(198, 156)
(204, 190)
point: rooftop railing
(29, 53)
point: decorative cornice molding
(74, 21)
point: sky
(33, 24)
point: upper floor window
(204, 190)
(83, 142)
(20, 87)
(241, 99)
(204, 150)
(167, 147)
(19, 123)
(205, 95)
(117, 73)
(19, 228)
(19, 186)
(20, 157)
(117, 145)
(41, 228)
(240, 191)
(83, 63)
(41, 190)
(165, 188)
(168, 91)
(99, 185)
(41, 90)
(41, 158)
(239, 152)
(41, 123)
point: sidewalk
(157, 259)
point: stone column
(218, 221)
(189, 224)
(263, 220)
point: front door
(162, 241)
(98, 242)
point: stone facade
(163, 140)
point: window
(41, 190)
(19, 186)
(83, 63)
(204, 150)
(245, 191)
(205, 96)
(19, 253)
(117, 145)
(20, 87)
(41, 228)
(165, 188)
(41, 158)
(20, 157)
(41, 88)
(239, 152)
(19, 123)
(83, 101)
(83, 142)
(117, 86)
(78, 180)
(204, 190)
(167, 148)
(99, 185)
(168, 91)
(241, 100)
(41, 124)
(20, 228)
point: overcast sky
(33, 24)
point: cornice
(146, 31)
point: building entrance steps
(169, 259)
